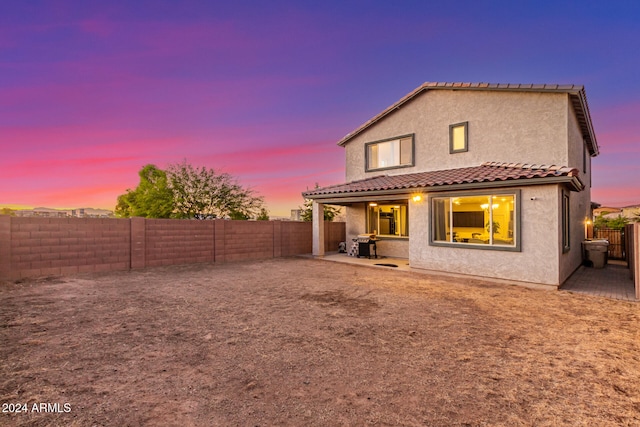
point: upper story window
(458, 141)
(389, 153)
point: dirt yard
(300, 342)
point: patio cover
(487, 175)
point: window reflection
(388, 219)
(391, 153)
(480, 220)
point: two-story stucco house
(481, 179)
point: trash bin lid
(594, 243)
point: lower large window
(481, 220)
(388, 219)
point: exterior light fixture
(417, 198)
(587, 223)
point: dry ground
(303, 342)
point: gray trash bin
(596, 252)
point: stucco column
(318, 229)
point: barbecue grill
(365, 241)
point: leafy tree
(600, 222)
(7, 211)
(264, 215)
(202, 191)
(152, 198)
(183, 191)
(238, 216)
(330, 212)
(616, 223)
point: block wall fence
(632, 247)
(31, 247)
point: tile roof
(486, 173)
(576, 93)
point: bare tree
(202, 191)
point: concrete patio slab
(614, 281)
(399, 263)
(402, 264)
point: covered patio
(429, 216)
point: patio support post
(318, 229)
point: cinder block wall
(55, 246)
(245, 240)
(632, 247)
(296, 238)
(334, 233)
(171, 241)
(31, 247)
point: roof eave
(382, 115)
(582, 109)
(574, 183)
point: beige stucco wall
(537, 262)
(538, 128)
(355, 221)
(503, 127)
(577, 149)
(395, 248)
(579, 206)
(580, 202)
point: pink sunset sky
(90, 92)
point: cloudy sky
(92, 91)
